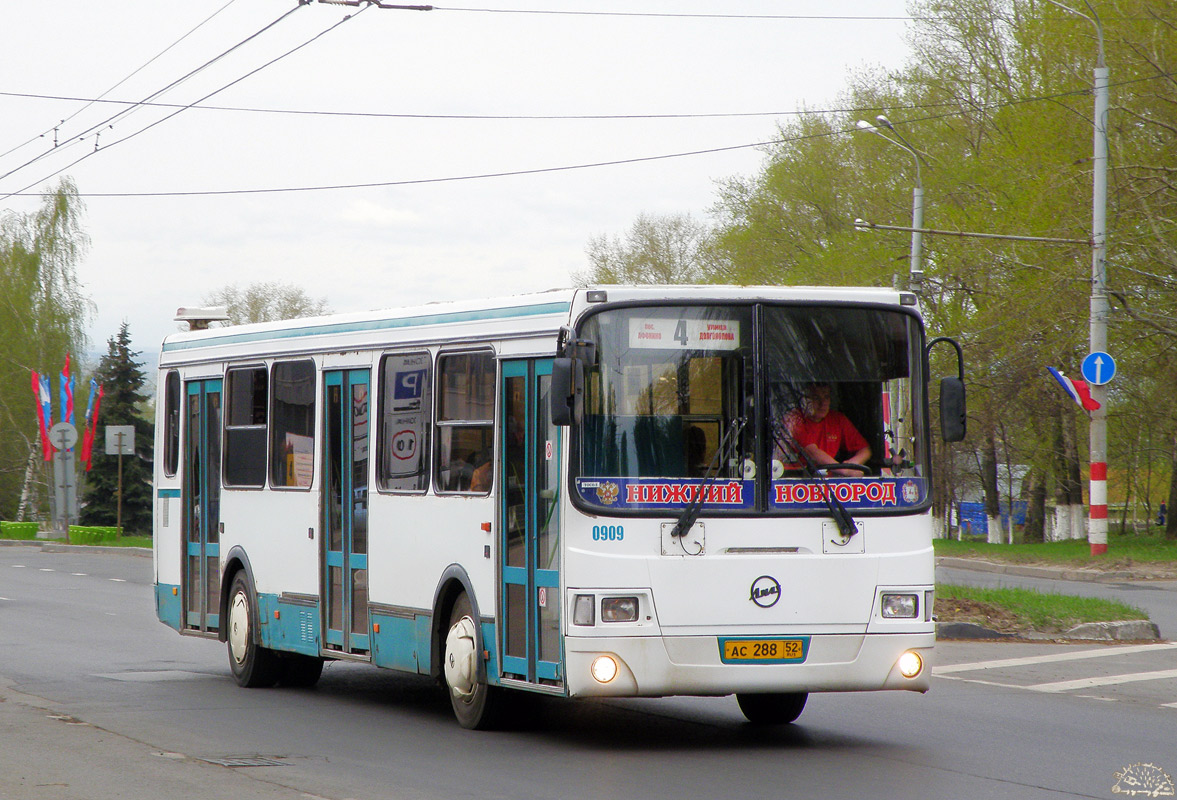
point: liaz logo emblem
(765, 591)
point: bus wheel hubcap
(460, 665)
(239, 627)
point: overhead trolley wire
(197, 106)
(133, 73)
(510, 117)
(234, 82)
(678, 15)
(571, 167)
(134, 106)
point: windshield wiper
(731, 437)
(846, 525)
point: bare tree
(267, 301)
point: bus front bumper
(695, 665)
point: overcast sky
(383, 94)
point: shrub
(92, 534)
(18, 530)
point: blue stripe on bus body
(294, 630)
(167, 492)
(167, 605)
(402, 643)
(373, 325)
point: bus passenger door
(529, 496)
(201, 574)
(344, 566)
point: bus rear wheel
(253, 666)
(475, 703)
(779, 708)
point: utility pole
(1097, 518)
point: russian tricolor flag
(1078, 390)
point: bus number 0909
(608, 533)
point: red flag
(1076, 389)
(88, 436)
(46, 450)
(67, 393)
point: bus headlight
(604, 669)
(900, 606)
(910, 664)
(619, 609)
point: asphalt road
(98, 700)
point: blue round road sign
(1099, 368)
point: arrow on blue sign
(1099, 368)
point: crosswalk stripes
(1079, 672)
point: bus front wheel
(772, 709)
(475, 703)
(253, 666)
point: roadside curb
(61, 547)
(1029, 571)
(1130, 630)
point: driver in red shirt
(824, 434)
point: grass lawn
(1012, 609)
(1154, 549)
(122, 541)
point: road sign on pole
(63, 436)
(1099, 368)
(120, 441)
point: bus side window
(245, 428)
(406, 420)
(171, 436)
(465, 420)
(292, 423)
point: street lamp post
(1097, 519)
(917, 197)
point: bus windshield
(830, 398)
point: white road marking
(1107, 680)
(1071, 655)
(18, 566)
(47, 569)
(119, 580)
(78, 574)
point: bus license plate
(763, 650)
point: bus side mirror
(567, 390)
(953, 420)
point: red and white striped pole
(1097, 520)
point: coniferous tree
(123, 379)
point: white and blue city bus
(587, 493)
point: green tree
(266, 301)
(997, 99)
(122, 378)
(43, 315)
